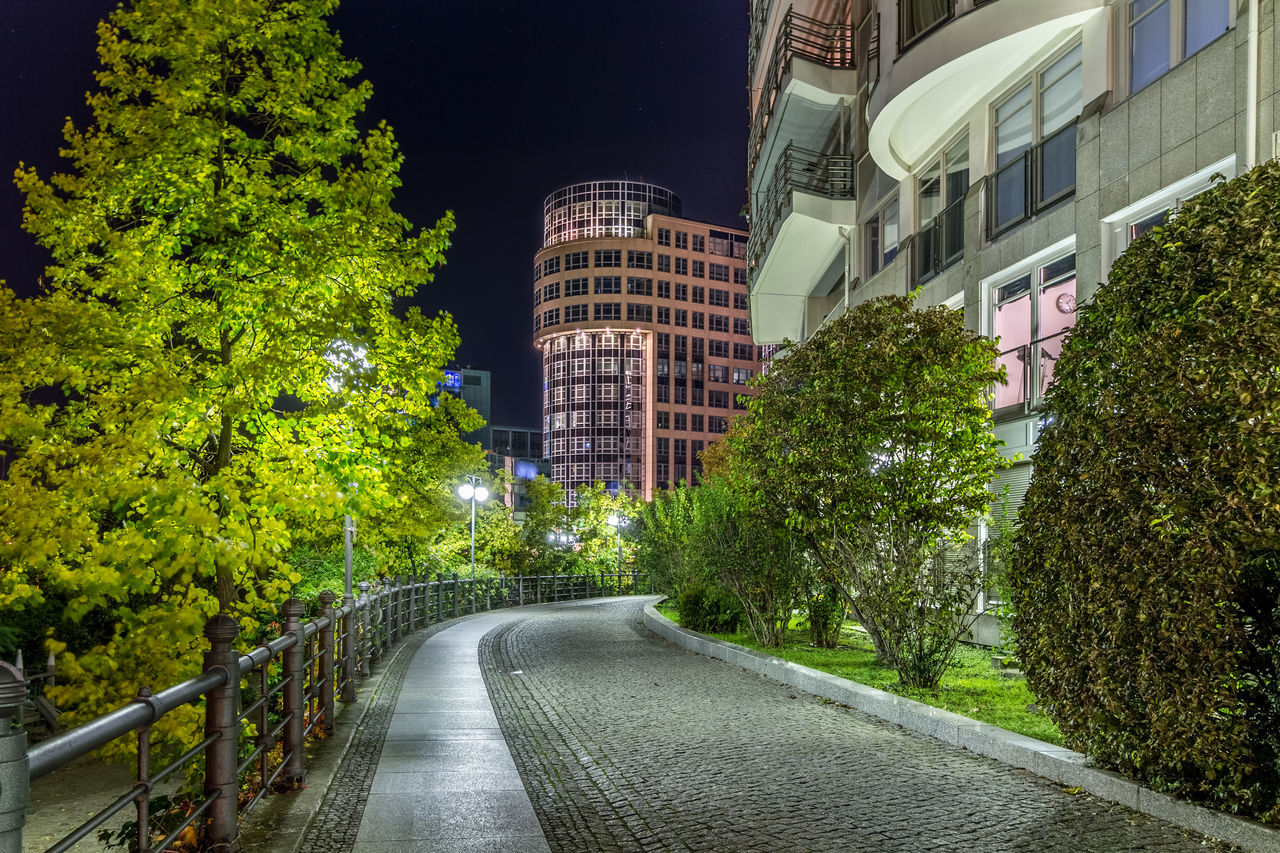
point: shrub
(826, 615)
(708, 607)
(1145, 579)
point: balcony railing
(940, 243)
(1029, 373)
(808, 38)
(1038, 178)
(798, 169)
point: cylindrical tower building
(641, 319)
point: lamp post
(473, 491)
(618, 522)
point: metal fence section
(276, 696)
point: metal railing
(820, 42)
(1029, 368)
(1033, 181)
(827, 175)
(940, 243)
(301, 675)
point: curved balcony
(950, 69)
(810, 71)
(797, 231)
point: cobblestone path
(626, 743)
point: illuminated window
(1031, 312)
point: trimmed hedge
(1145, 574)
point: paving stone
(626, 743)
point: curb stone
(1052, 762)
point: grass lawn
(971, 687)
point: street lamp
(619, 522)
(473, 491)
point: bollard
(14, 778)
(222, 707)
(454, 596)
(327, 670)
(349, 649)
(294, 705)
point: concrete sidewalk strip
(446, 780)
(1044, 759)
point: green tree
(1145, 573)
(663, 533)
(873, 440)
(599, 542)
(215, 357)
(756, 558)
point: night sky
(494, 105)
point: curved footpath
(573, 727)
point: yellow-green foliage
(215, 357)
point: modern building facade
(642, 321)
(996, 155)
(475, 387)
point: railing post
(488, 594)
(555, 587)
(14, 778)
(222, 707)
(413, 597)
(439, 596)
(294, 666)
(520, 594)
(393, 612)
(326, 658)
(388, 597)
(454, 597)
(349, 649)
(537, 595)
(363, 650)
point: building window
(720, 244)
(917, 17)
(608, 311)
(682, 266)
(681, 394)
(699, 243)
(664, 315)
(575, 313)
(743, 352)
(699, 294)
(740, 275)
(537, 271)
(681, 422)
(551, 317)
(639, 286)
(742, 375)
(608, 257)
(664, 236)
(1035, 144)
(575, 260)
(718, 323)
(717, 423)
(664, 394)
(682, 292)
(537, 296)
(664, 263)
(740, 302)
(699, 320)
(718, 272)
(537, 322)
(639, 260)
(682, 317)
(718, 373)
(551, 266)
(664, 289)
(1162, 33)
(682, 240)
(940, 196)
(699, 269)
(718, 348)
(639, 313)
(697, 423)
(575, 287)
(740, 402)
(880, 238)
(1031, 313)
(551, 291)
(664, 419)
(608, 284)
(741, 326)
(717, 297)
(699, 348)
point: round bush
(1144, 576)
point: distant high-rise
(475, 388)
(642, 321)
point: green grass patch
(971, 687)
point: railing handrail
(828, 175)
